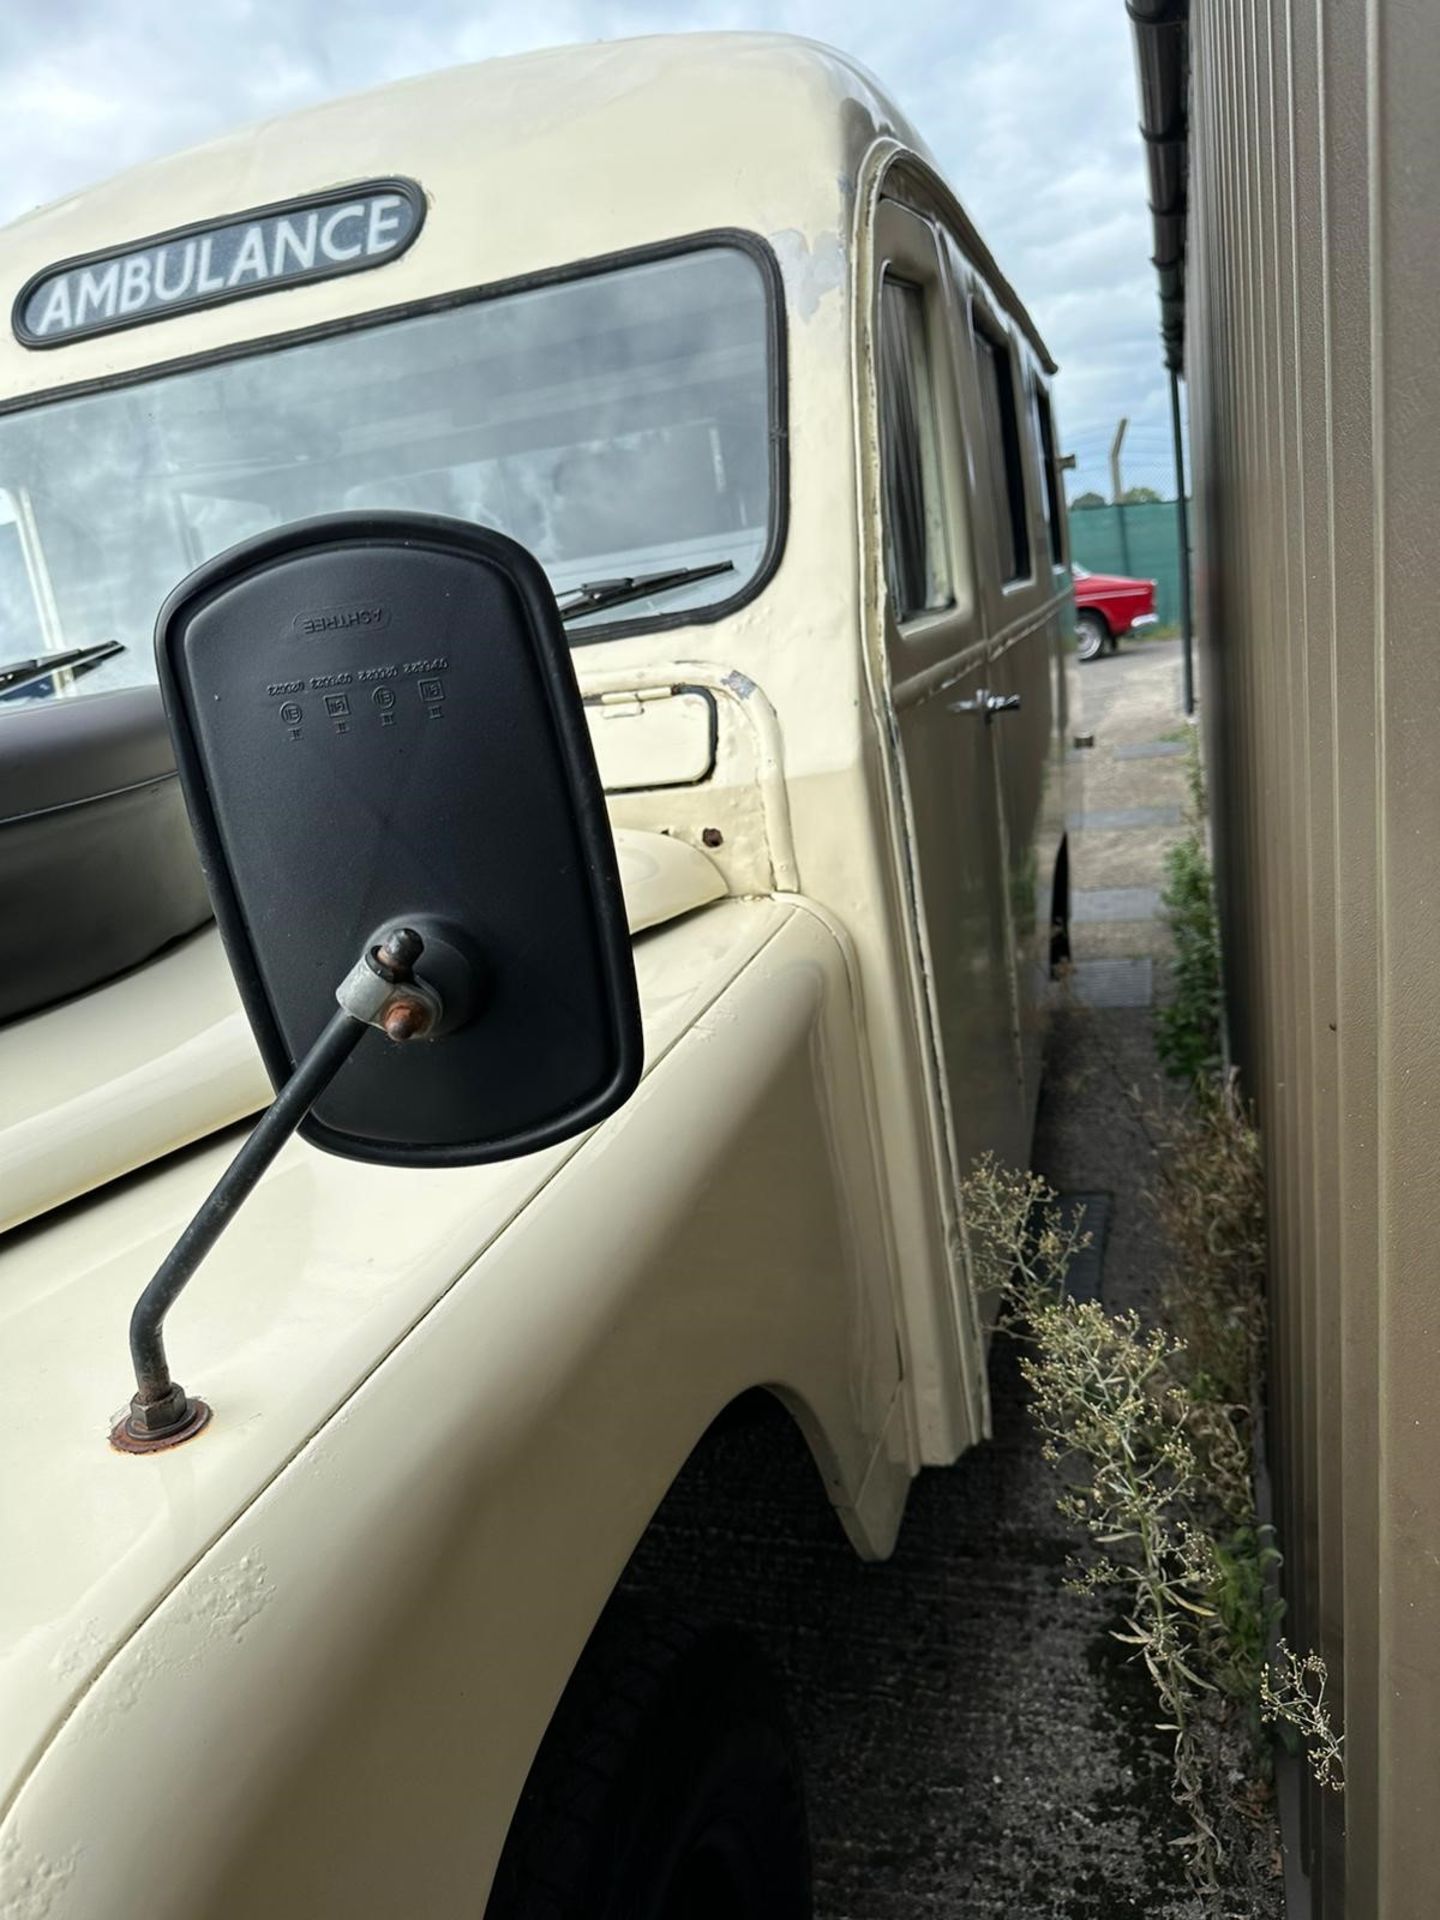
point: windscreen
(615, 423)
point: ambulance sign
(343, 231)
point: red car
(1107, 605)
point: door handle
(987, 704)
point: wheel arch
(759, 1482)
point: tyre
(667, 1788)
(1092, 636)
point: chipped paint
(210, 1610)
(224, 1602)
(29, 1882)
(811, 271)
(75, 1658)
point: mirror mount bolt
(380, 990)
(394, 959)
(162, 1421)
(407, 1018)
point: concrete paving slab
(1125, 858)
(1151, 750)
(1123, 940)
(1103, 782)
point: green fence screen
(1142, 540)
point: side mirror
(376, 721)
(390, 780)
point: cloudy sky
(1028, 104)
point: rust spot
(713, 837)
(127, 1439)
(406, 1019)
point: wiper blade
(22, 673)
(595, 595)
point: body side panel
(326, 1268)
(381, 1636)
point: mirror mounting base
(380, 991)
(130, 1434)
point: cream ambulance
(697, 324)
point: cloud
(1030, 110)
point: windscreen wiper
(23, 673)
(596, 595)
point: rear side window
(1002, 437)
(917, 566)
(1046, 425)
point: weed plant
(1152, 1428)
(1187, 1028)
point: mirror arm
(380, 991)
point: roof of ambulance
(527, 163)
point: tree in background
(1132, 497)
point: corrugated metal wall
(1313, 359)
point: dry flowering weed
(1292, 1691)
(1156, 1452)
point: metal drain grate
(1113, 983)
(1085, 1280)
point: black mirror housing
(377, 725)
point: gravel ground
(977, 1744)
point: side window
(996, 375)
(1049, 466)
(22, 623)
(917, 562)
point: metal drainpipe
(1182, 515)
